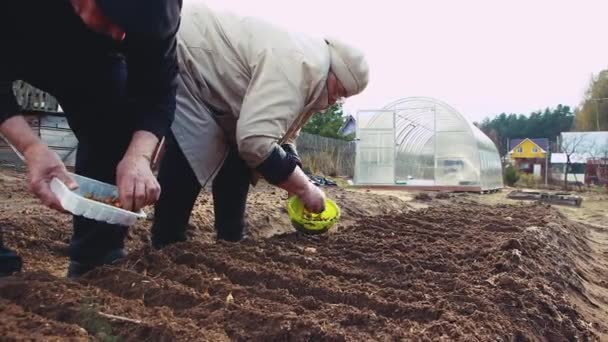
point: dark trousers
(92, 94)
(9, 261)
(180, 188)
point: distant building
(528, 148)
(588, 157)
(576, 172)
(349, 127)
(530, 155)
(596, 171)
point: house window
(534, 149)
(519, 150)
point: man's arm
(152, 84)
(42, 163)
(12, 125)
(18, 133)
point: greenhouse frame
(425, 144)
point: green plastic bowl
(310, 223)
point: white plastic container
(75, 202)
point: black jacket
(38, 38)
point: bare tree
(570, 146)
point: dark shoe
(162, 242)
(230, 231)
(9, 262)
(230, 238)
(162, 237)
(235, 234)
(76, 268)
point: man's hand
(43, 165)
(137, 186)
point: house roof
(586, 140)
(543, 143)
(349, 126)
(561, 158)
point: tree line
(548, 123)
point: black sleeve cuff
(278, 166)
(290, 149)
(155, 124)
(8, 103)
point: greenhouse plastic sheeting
(375, 158)
(422, 141)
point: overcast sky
(482, 57)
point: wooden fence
(331, 157)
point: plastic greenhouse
(426, 144)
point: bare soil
(450, 269)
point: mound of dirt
(427, 197)
(266, 213)
(444, 273)
(443, 195)
(423, 197)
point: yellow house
(528, 148)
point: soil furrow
(72, 303)
(39, 328)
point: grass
(94, 324)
